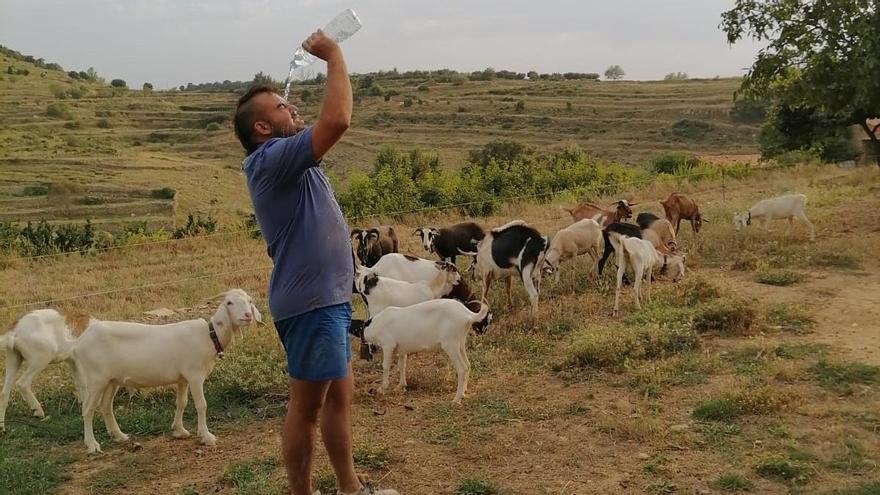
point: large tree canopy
(822, 55)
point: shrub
(213, 126)
(57, 110)
(748, 401)
(612, 348)
(779, 278)
(477, 486)
(38, 190)
(790, 318)
(407, 102)
(163, 193)
(748, 111)
(726, 317)
(782, 469)
(840, 377)
(732, 483)
(196, 225)
(689, 129)
(674, 163)
(118, 83)
(103, 124)
(520, 106)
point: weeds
(743, 402)
(477, 486)
(790, 318)
(613, 347)
(725, 317)
(732, 483)
(779, 278)
(841, 377)
(782, 469)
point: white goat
(113, 354)
(443, 323)
(381, 292)
(644, 259)
(583, 236)
(407, 268)
(38, 339)
(789, 207)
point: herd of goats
(414, 305)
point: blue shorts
(316, 343)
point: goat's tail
(7, 341)
(481, 315)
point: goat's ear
(373, 235)
(257, 316)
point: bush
(77, 93)
(103, 124)
(520, 106)
(407, 102)
(43, 238)
(748, 111)
(782, 469)
(163, 193)
(38, 190)
(726, 317)
(196, 225)
(57, 110)
(743, 402)
(674, 163)
(213, 126)
(118, 83)
(474, 486)
(840, 377)
(689, 129)
(612, 348)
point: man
(308, 240)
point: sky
(174, 42)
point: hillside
(107, 149)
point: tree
(614, 72)
(676, 76)
(148, 88)
(820, 57)
(118, 83)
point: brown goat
(679, 207)
(622, 210)
(373, 243)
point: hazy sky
(172, 42)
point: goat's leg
(637, 286)
(91, 399)
(198, 392)
(107, 412)
(401, 363)
(453, 350)
(467, 365)
(803, 218)
(387, 356)
(487, 281)
(621, 267)
(177, 429)
(509, 282)
(32, 368)
(649, 276)
(531, 289)
(790, 224)
(13, 362)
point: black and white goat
(513, 249)
(453, 241)
(382, 292)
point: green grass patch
(32, 467)
(790, 318)
(850, 458)
(865, 488)
(833, 259)
(477, 486)
(732, 483)
(725, 317)
(743, 402)
(371, 456)
(799, 351)
(325, 481)
(252, 477)
(611, 348)
(840, 377)
(783, 469)
(779, 278)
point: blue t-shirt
(303, 227)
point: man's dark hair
(245, 116)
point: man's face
(276, 117)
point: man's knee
(307, 399)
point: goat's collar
(217, 345)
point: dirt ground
(548, 436)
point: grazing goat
(626, 229)
(578, 238)
(663, 236)
(38, 339)
(679, 207)
(789, 207)
(513, 249)
(644, 259)
(372, 244)
(450, 242)
(421, 327)
(411, 269)
(113, 354)
(381, 292)
(622, 211)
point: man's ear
(262, 127)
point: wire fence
(596, 189)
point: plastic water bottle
(339, 29)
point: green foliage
(790, 318)
(103, 124)
(840, 377)
(520, 106)
(613, 348)
(676, 76)
(44, 238)
(732, 483)
(726, 317)
(779, 278)
(371, 456)
(407, 102)
(163, 193)
(689, 129)
(782, 469)
(748, 110)
(864, 488)
(118, 83)
(614, 72)
(816, 55)
(37, 190)
(747, 401)
(477, 486)
(407, 181)
(789, 129)
(57, 110)
(213, 126)
(674, 163)
(196, 225)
